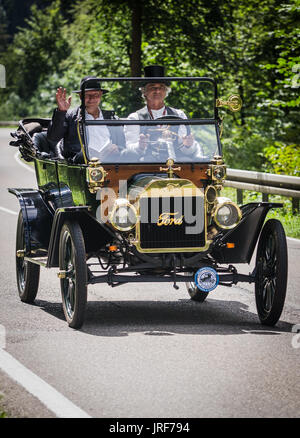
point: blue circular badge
(206, 279)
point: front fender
(37, 218)
(244, 236)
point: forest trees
(251, 47)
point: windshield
(149, 122)
(153, 143)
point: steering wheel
(169, 117)
(162, 138)
(163, 128)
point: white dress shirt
(98, 136)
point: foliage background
(250, 47)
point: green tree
(3, 28)
(36, 51)
(250, 46)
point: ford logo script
(169, 219)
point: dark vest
(144, 115)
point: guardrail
(265, 183)
(9, 123)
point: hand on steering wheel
(188, 140)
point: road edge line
(7, 210)
(45, 393)
(17, 158)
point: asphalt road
(145, 350)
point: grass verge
(3, 414)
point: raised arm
(63, 103)
(57, 128)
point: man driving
(142, 141)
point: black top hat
(155, 71)
(92, 84)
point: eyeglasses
(93, 96)
(156, 87)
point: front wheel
(28, 274)
(73, 273)
(271, 276)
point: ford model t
(152, 215)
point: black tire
(28, 274)
(195, 293)
(72, 259)
(271, 275)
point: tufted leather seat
(41, 142)
(46, 147)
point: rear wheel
(28, 274)
(271, 277)
(72, 264)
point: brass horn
(234, 102)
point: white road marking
(8, 211)
(17, 158)
(50, 397)
(2, 336)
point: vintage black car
(157, 217)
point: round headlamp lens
(224, 214)
(227, 216)
(123, 217)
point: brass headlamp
(226, 214)
(123, 216)
(217, 171)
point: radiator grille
(172, 222)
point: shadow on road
(167, 318)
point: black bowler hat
(92, 84)
(155, 71)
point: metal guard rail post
(265, 183)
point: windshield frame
(124, 121)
